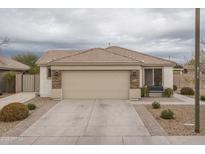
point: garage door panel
(95, 84)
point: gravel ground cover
(39, 102)
(183, 121)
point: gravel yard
(183, 114)
(39, 102)
(160, 99)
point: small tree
(30, 60)
(9, 78)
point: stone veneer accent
(135, 79)
(56, 79)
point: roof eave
(13, 69)
(159, 65)
(92, 63)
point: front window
(153, 77)
(148, 77)
(158, 77)
(48, 72)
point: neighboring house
(185, 77)
(178, 69)
(110, 73)
(8, 64)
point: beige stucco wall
(168, 77)
(47, 91)
(56, 93)
(45, 83)
(134, 94)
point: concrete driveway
(87, 122)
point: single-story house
(9, 64)
(101, 73)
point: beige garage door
(95, 84)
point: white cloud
(148, 30)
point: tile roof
(110, 54)
(7, 63)
(95, 55)
(55, 54)
(147, 59)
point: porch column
(168, 77)
(135, 91)
(56, 91)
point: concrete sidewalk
(19, 97)
(119, 140)
(177, 99)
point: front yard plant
(203, 98)
(9, 78)
(187, 91)
(174, 87)
(31, 106)
(14, 112)
(144, 91)
(167, 114)
(156, 105)
(168, 92)
(183, 114)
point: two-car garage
(98, 73)
(95, 84)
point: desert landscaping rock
(16, 128)
(182, 114)
(150, 122)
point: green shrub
(156, 105)
(31, 106)
(203, 98)
(167, 114)
(9, 78)
(168, 92)
(14, 112)
(174, 87)
(144, 91)
(187, 91)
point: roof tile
(7, 63)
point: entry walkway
(19, 97)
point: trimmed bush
(168, 92)
(14, 112)
(174, 87)
(187, 91)
(156, 105)
(31, 106)
(144, 91)
(203, 98)
(167, 114)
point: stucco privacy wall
(45, 83)
(168, 77)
